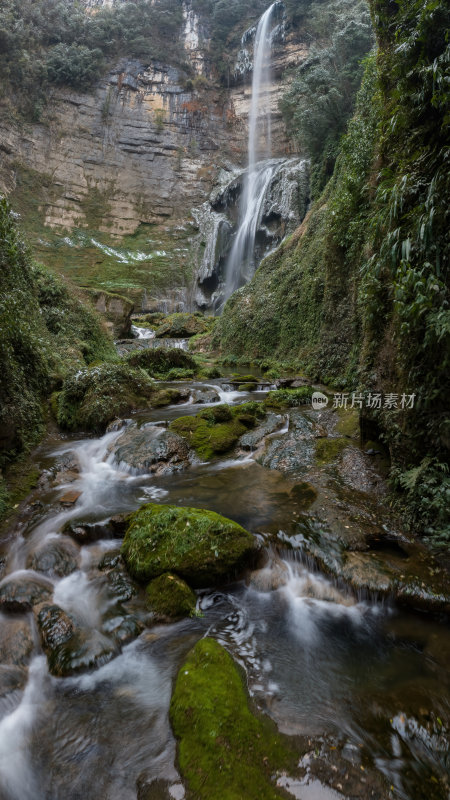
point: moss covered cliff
(359, 295)
(46, 333)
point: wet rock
(11, 679)
(69, 498)
(251, 439)
(87, 532)
(22, 591)
(168, 397)
(69, 648)
(304, 493)
(205, 396)
(271, 577)
(169, 597)
(217, 429)
(151, 449)
(117, 425)
(120, 584)
(16, 641)
(358, 472)
(123, 628)
(200, 546)
(294, 451)
(57, 557)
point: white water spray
(240, 262)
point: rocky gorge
(223, 517)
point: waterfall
(240, 262)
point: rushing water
(240, 261)
(322, 662)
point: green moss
(348, 424)
(224, 751)
(183, 325)
(45, 333)
(93, 397)
(200, 546)
(217, 429)
(329, 449)
(171, 597)
(246, 387)
(161, 363)
(165, 397)
(289, 398)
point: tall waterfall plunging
(240, 262)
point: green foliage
(289, 398)
(200, 546)
(93, 397)
(57, 42)
(321, 97)
(162, 363)
(426, 489)
(45, 332)
(224, 751)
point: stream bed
(362, 681)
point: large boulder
(95, 396)
(217, 429)
(117, 311)
(224, 750)
(183, 325)
(151, 449)
(200, 546)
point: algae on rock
(200, 546)
(224, 751)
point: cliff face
(144, 146)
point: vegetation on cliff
(46, 332)
(360, 293)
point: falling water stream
(323, 663)
(240, 262)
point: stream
(352, 674)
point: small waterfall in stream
(240, 262)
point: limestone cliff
(144, 147)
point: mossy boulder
(161, 362)
(216, 430)
(183, 325)
(289, 398)
(200, 546)
(224, 750)
(93, 397)
(116, 310)
(170, 597)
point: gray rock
(11, 679)
(151, 449)
(22, 591)
(16, 641)
(251, 439)
(205, 396)
(57, 557)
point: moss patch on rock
(348, 424)
(170, 597)
(160, 362)
(328, 449)
(289, 398)
(93, 397)
(184, 325)
(224, 751)
(200, 546)
(217, 429)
